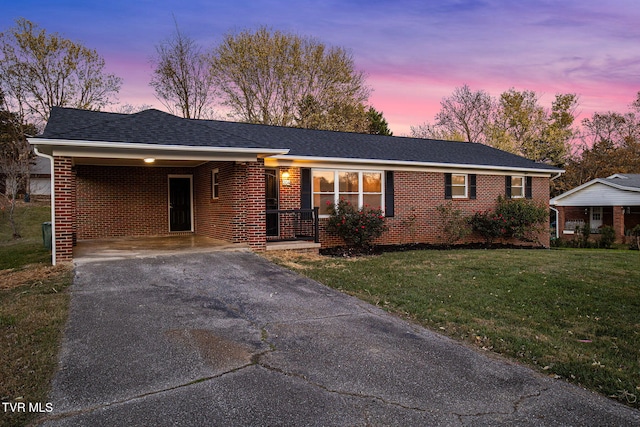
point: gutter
(557, 176)
(557, 225)
(155, 147)
(413, 163)
(53, 204)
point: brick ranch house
(153, 174)
(613, 201)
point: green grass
(29, 249)
(573, 314)
(33, 310)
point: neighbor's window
(517, 187)
(458, 186)
(215, 183)
(361, 188)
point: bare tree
(275, 78)
(466, 113)
(428, 131)
(40, 70)
(181, 78)
(15, 158)
(130, 108)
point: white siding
(601, 195)
(40, 186)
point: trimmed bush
(357, 227)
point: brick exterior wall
(118, 201)
(95, 202)
(417, 196)
(65, 208)
(220, 218)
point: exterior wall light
(149, 160)
(286, 179)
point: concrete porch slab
(292, 246)
(142, 247)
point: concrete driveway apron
(228, 338)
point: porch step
(295, 246)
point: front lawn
(34, 304)
(573, 314)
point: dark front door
(271, 195)
(180, 204)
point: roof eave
(413, 163)
(108, 145)
(559, 197)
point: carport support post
(64, 207)
(255, 219)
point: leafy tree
(338, 117)
(603, 159)
(377, 123)
(40, 70)
(515, 122)
(276, 78)
(610, 144)
(181, 79)
(524, 127)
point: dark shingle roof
(145, 127)
(156, 127)
(628, 180)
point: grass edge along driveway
(572, 314)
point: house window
(458, 186)
(360, 188)
(215, 183)
(517, 187)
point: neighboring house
(39, 183)
(612, 201)
(40, 178)
(152, 173)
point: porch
(575, 218)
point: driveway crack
(93, 408)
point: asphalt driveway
(228, 338)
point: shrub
(525, 219)
(635, 234)
(581, 236)
(453, 225)
(607, 237)
(357, 227)
(489, 225)
(518, 218)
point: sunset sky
(414, 52)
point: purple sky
(414, 52)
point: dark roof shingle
(156, 127)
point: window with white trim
(517, 187)
(458, 186)
(360, 188)
(215, 183)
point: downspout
(556, 210)
(53, 205)
(557, 225)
